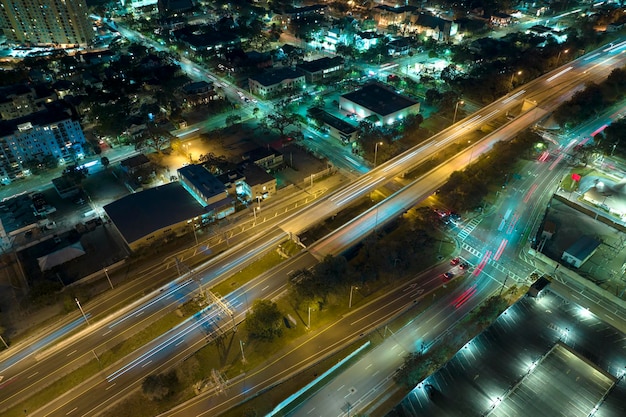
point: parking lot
(518, 367)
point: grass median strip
(155, 329)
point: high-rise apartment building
(34, 137)
(46, 22)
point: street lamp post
(513, 76)
(81, 310)
(352, 287)
(456, 109)
(376, 152)
(106, 273)
(254, 211)
(558, 58)
(243, 357)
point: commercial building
(378, 102)
(46, 22)
(155, 214)
(209, 191)
(48, 133)
(580, 251)
(273, 82)
(335, 127)
(322, 69)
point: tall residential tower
(46, 22)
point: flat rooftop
(379, 99)
(140, 214)
(563, 384)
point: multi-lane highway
(562, 83)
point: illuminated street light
(513, 76)
(376, 152)
(456, 108)
(352, 287)
(558, 58)
(106, 273)
(81, 310)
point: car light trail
(18, 357)
(500, 249)
(598, 130)
(513, 97)
(172, 340)
(544, 156)
(406, 157)
(180, 135)
(530, 192)
(149, 304)
(463, 298)
(612, 48)
(350, 189)
(350, 197)
(512, 225)
(481, 265)
(557, 75)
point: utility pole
(81, 310)
(503, 284)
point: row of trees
(465, 190)
(593, 99)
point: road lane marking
(147, 363)
(109, 387)
(340, 388)
(106, 333)
(368, 366)
(72, 352)
(264, 288)
(31, 375)
(71, 411)
(311, 410)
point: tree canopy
(263, 322)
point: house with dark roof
(580, 251)
(272, 82)
(400, 46)
(198, 39)
(267, 158)
(322, 69)
(132, 164)
(377, 101)
(433, 27)
(155, 214)
(298, 12)
(199, 92)
(249, 182)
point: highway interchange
(87, 401)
